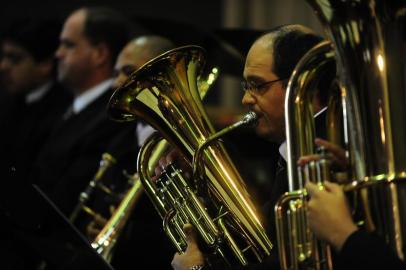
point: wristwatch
(197, 267)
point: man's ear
(101, 54)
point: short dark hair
(105, 25)
(289, 43)
(40, 37)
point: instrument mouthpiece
(251, 118)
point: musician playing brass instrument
(268, 66)
(136, 53)
(143, 229)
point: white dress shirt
(38, 93)
(82, 101)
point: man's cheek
(262, 124)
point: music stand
(40, 226)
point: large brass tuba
(297, 246)
(368, 37)
(164, 92)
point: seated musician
(269, 64)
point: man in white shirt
(90, 41)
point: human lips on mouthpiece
(257, 112)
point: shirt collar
(38, 93)
(87, 97)
(283, 150)
(283, 147)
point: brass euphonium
(297, 246)
(164, 93)
(368, 37)
(105, 242)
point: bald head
(136, 53)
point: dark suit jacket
(26, 127)
(71, 156)
(279, 187)
(69, 160)
(368, 251)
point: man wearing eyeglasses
(268, 66)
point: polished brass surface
(165, 94)
(105, 242)
(298, 248)
(96, 182)
(368, 37)
(198, 165)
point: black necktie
(281, 166)
(68, 113)
(279, 187)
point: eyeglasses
(14, 58)
(254, 88)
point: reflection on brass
(96, 182)
(165, 93)
(367, 37)
(298, 248)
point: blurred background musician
(143, 231)
(135, 54)
(33, 98)
(90, 42)
(31, 103)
